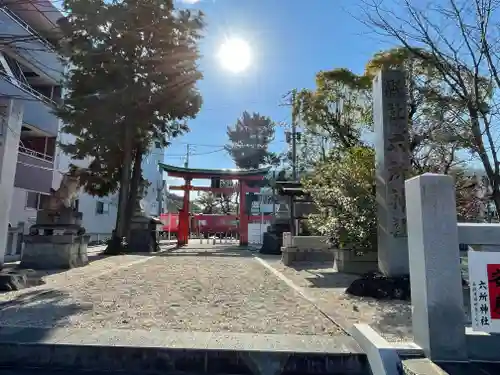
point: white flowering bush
(343, 188)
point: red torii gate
(188, 174)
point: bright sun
(234, 55)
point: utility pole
(293, 140)
(160, 195)
(294, 175)
(274, 193)
(294, 137)
(188, 151)
(294, 149)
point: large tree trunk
(115, 245)
(134, 186)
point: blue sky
(291, 40)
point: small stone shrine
(143, 233)
(57, 240)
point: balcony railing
(14, 17)
(35, 154)
(28, 89)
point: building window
(31, 200)
(157, 144)
(35, 201)
(101, 208)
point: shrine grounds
(208, 288)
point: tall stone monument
(390, 114)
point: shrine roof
(290, 188)
(175, 171)
(288, 184)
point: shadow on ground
(329, 279)
(323, 275)
(213, 251)
(39, 308)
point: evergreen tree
(132, 81)
(208, 203)
(249, 141)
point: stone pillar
(390, 114)
(436, 283)
(243, 214)
(11, 118)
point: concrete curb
(188, 352)
(384, 357)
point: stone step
(170, 352)
(424, 366)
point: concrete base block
(348, 261)
(142, 237)
(64, 216)
(482, 346)
(141, 241)
(290, 255)
(55, 252)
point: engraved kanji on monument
(390, 112)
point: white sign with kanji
(484, 283)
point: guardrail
(35, 154)
(14, 17)
(28, 89)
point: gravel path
(200, 288)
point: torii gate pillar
(243, 224)
(183, 232)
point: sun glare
(235, 55)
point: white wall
(93, 222)
(19, 211)
(256, 232)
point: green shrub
(343, 188)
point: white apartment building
(30, 76)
